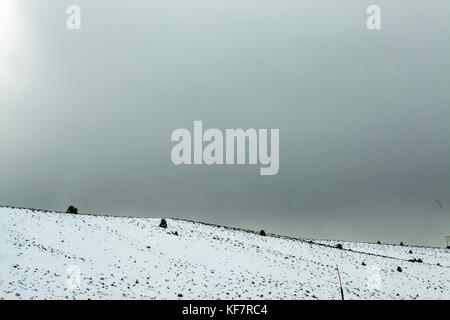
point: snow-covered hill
(125, 258)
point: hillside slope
(133, 258)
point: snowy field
(133, 258)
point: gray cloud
(364, 116)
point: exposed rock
(163, 223)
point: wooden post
(340, 282)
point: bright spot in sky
(13, 33)
(8, 28)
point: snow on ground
(133, 258)
(406, 252)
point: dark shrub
(163, 223)
(72, 209)
(399, 269)
(410, 251)
(363, 264)
(262, 233)
(419, 260)
(448, 247)
(401, 243)
(339, 246)
(378, 242)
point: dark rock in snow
(72, 209)
(262, 233)
(163, 223)
(399, 269)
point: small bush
(399, 269)
(72, 209)
(339, 246)
(163, 223)
(262, 233)
(401, 243)
(378, 242)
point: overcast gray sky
(364, 116)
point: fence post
(340, 282)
